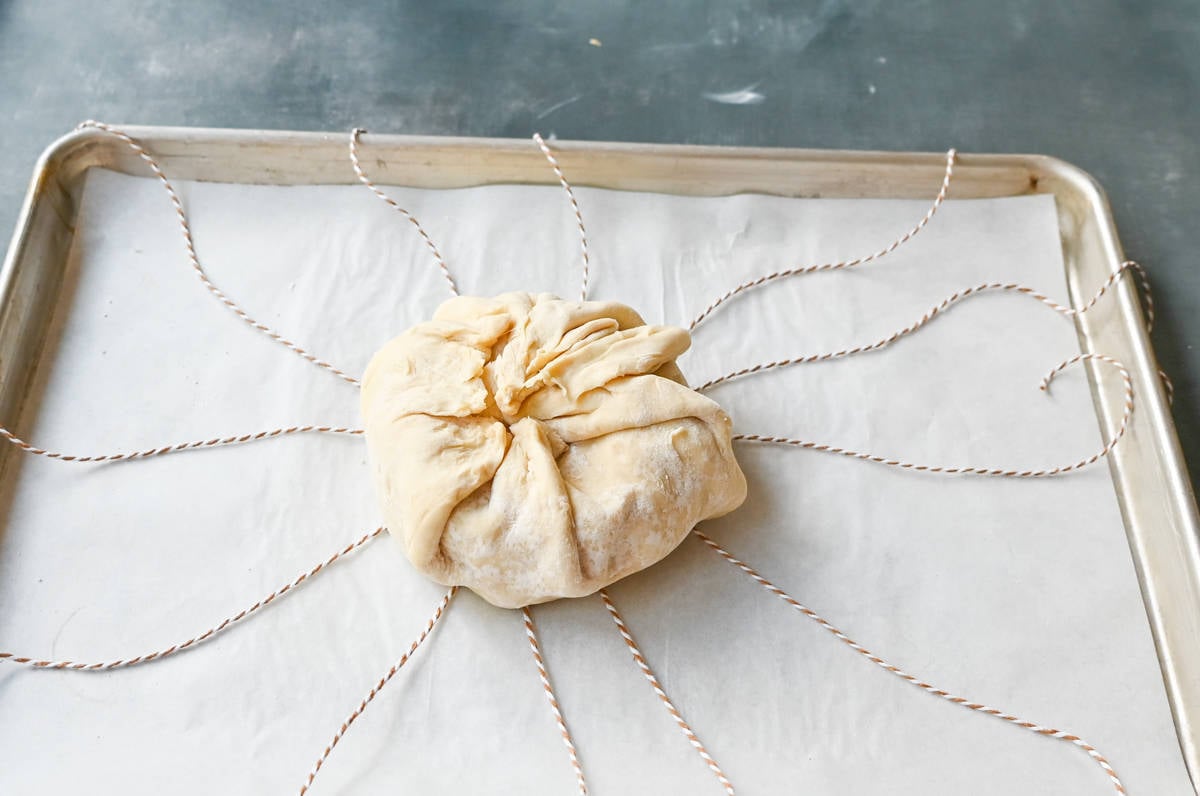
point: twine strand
(225, 624)
(1127, 412)
(1168, 386)
(947, 303)
(1048, 732)
(640, 660)
(194, 260)
(215, 442)
(355, 134)
(951, 155)
(543, 675)
(374, 692)
(562, 179)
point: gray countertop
(1109, 85)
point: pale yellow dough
(531, 448)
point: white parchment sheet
(1019, 594)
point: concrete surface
(1110, 85)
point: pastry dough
(531, 448)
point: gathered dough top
(532, 448)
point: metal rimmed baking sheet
(1151, 483)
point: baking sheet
(1018, 594)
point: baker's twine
(566, 186)
(978, 707)
(840, 264)
(215, 442)
(374, 692)
(947, 303)
(225, 624)
(357, 133)
(190, 248)
(536, 648)
(1127, 412)
(648, 673)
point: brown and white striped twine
(947, 303)
(215, 442)
(355, 134)
(1127, 412)
(544, 676)
(122, 663)
(194, 261)
(951, 155)
(566, 186)
(1047, 732)
(934, 312)
(648, 673)
(627, 636)
(550, 157)
(374, 692)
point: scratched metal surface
(1106, 84)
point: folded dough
(531, 448)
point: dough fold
(530, 448)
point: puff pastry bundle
(531, 448)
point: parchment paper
(1020, 594)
